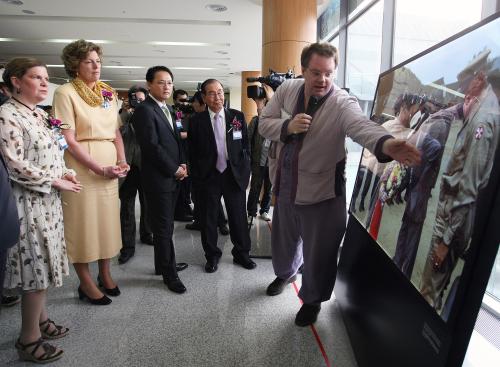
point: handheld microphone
(312, 106)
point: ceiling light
(100, 41)
(190, 68)
(13, 2)
(170, 43)
(216, 7)
(104, 66)
(123, 67)
(25, 11)
(57, 40)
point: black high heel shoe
(114, 292)
(103, 301)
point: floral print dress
(34, 160)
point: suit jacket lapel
(160, 113)
(210, 130)
(229, 134)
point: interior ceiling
(127, 31)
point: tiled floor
(224, 319)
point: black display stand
(388, 321)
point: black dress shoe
(194, 226)
(245, 262)
(184, 218)
(181, 266)
(308, 314)
(103, 301)
(174, 284)
(178, 267)
(223, 229)
(278, 285)
(123, 258)
(113, 292)
(147, 240)
(8, 301)
(211, 266)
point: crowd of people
(90, 156)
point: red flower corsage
(56, 124)
(236, 124)
(178, 115)
(108, 97)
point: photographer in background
(259, 147)
(183, 110)
(131, 185)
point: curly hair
(17, 67)
(75, 52)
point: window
(355, 6)
(329, 20)
(421, 24)
(364, 39)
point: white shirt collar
(161, 104)
(212, 114)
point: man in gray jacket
(308, 120)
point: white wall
(235, 98)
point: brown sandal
(50, 352)
(58, 331)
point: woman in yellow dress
(92, 218)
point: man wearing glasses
(220, 166)
(308, 120)
(163, 166)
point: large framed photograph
(446, 103)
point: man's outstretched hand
(401, 151)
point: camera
(274, 80)
(132, 96)
(184, 106)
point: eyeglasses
(219, 93)
(316, 74)
(164, 83)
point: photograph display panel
(446, 103)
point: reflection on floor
(224, 319)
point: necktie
(168, 115)
(220, 138)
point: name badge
(178, 123)
(237, 135)
(61, 142)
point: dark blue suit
(161, 155)
(231, 184)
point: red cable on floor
(315, 333)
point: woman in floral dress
(34, 159)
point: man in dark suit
(163, 166)
(9, 227)
(131, 185)
(220, 166)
